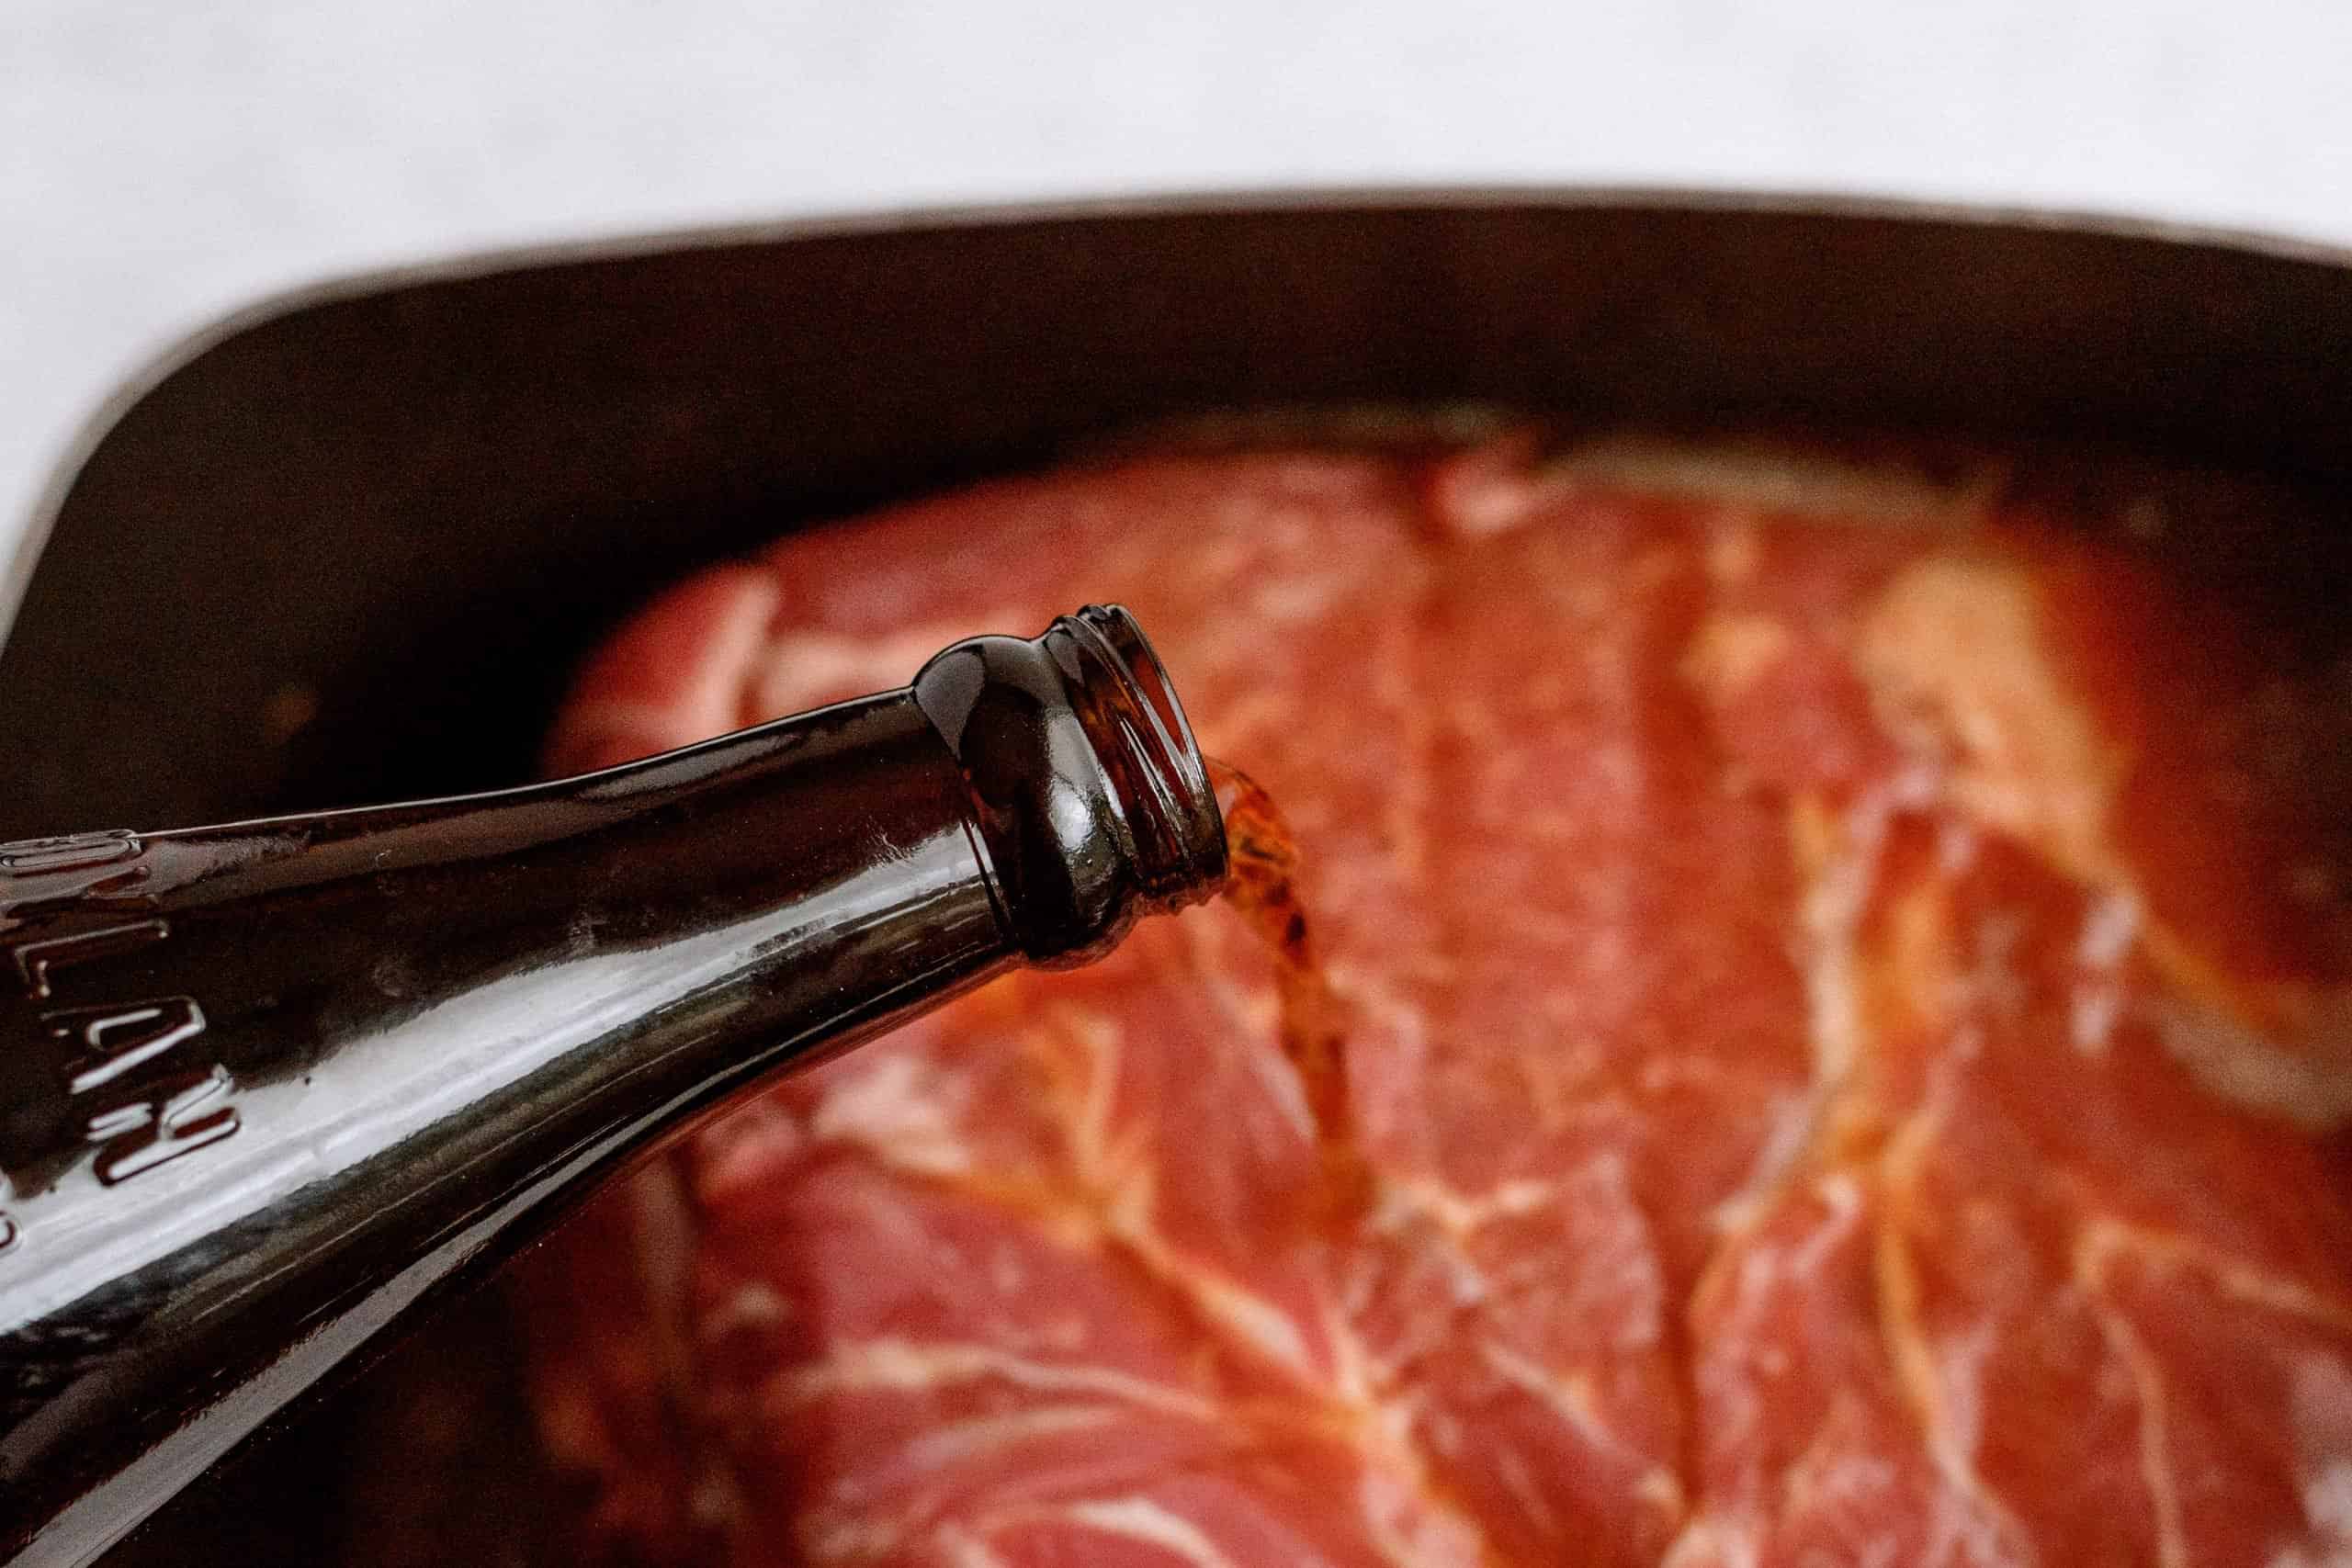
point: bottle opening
(1139, 729)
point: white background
(163, 161)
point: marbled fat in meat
(1847, 993)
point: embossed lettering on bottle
(147, 1104)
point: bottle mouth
(1159, 777)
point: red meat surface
(1846, 997)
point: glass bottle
(266, 1088)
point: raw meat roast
(1845, 994)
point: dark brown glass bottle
(266, 1088)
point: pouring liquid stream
(1262, 886)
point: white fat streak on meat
(1953, 655)
(1834, 1484)
(1391, 1107)
(1437, 1226)
(1735, 548)
(1958, 1533)
(1568, 1398)
(1358, 1375)
(2109, 931)
(1124, 1185)
(1731, 649)
(1788, 1125)
(1488, 489)
(962, 1440)
(1249, 1317)
(1992, 984)
(1759, 1274)
(903, 1107)
(2321, 1424)
(1832, 1476)
(1756, 479)
(2151, 1396)
(2102, 1241)
(1278, 598)
(1154, 1523)
(1956, 846)
(1262, 1324)
(661, 1241)
(662, 1235)
(1841, 1196)
(1833, 906)
(1966, 1515)
(2327, 1507)
(1619, 1269)
(1285, 1089)
(1832, 912)
(801, 667)
(827, 1537)
(753, 1306)
(911, 1366)
(716, 632)
(1519, 1478)
(2109, 927)
(1959, 1364)
(965, 1549)
(2321, 1399)
(1094, 1143)
(1714, 1541)
(1412, 1531)
(1460, 1213)
(713, 1500)
(2307, 1087)
(749, 1147)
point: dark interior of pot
(352, 549)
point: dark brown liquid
(1262, 887)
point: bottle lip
(1164, 788)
